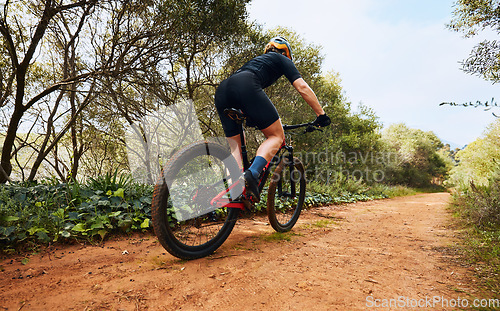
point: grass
(394, 191)
(322, 223)
(401, 191)
(279, 236)
(483, 252)
(477, 212)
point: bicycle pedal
(255, 199)
(249, 207)
(252, 199)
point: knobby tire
(201, 236)
(284, 211)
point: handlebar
(309, 127)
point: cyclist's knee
(280, 136)
(274, 130)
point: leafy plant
(55, 212)
(479, 210)
(110, 181)
(481, 204)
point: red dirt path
(338, 258)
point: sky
(394, 56)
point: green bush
(415, 160)
(478, 162)
(51, 212)
(32, 212)
(390, 191)
(352, 191)
(481, 204)
(479, 209)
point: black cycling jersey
(270, 66)
(244, 90)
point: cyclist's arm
(308, 95)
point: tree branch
(5, 31)
(55, 87)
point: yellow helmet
(281, 44)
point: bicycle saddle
(235, 115)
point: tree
(479, 161)
(414, 157)
(206, 32)
(20, 43)
(134, 56)
(471, 17)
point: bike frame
(221, 199)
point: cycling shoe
(252, 185)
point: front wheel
(187, 225)
(286, 194)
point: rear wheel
(286, 194)
(184, 221)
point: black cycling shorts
(243, 91)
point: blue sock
(257, 166)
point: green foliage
(391, 191)
(483, 249)
(312, 199)
(317, 199)
(479, 161)
(349, 154)
(31, 212)
(414, 158)
(45, 213)
(476, 198)
(448, 157)
(323, 223)
(110, 182)
(471, 17)
(352, 192)
(479, 210)
(481, 204)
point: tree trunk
(8, 144)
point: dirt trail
(338, 258)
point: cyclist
(245, 90)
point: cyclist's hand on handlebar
(322, 121)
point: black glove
(322, 120)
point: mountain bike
(200, 193)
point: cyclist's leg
(235, 145)
(274, 139)
(261, 111)
(225, 99)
